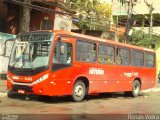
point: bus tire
(136, 88)
(10, 94)
(79, 91)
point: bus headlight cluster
(44, 77)
(8, 77)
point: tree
(92, 14)
(25, 17)
(140, 38)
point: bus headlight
(44, 77)
(8, 77)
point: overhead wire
(39, 8)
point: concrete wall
(6, 43)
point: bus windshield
(31, 52)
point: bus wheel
(79, 91)
(136, 88)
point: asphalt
(3, 88)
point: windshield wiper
(18, 60)
(15, 63)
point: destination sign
(34, 37)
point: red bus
(57, 63)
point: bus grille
(22, 87)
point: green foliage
(140, 38)
(92, 14)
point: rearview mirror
(59, 39)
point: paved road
(3, 86)
(107, 104)
(64, 109)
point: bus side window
(123, 56)
(85, 51)
(137, 58)
(106, 54)
(66, 56)
(149, 60)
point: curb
(151, 90)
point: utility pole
(130, 6)
(151, 9)
(130, 19)
(116, 27)
(25, 17)
(116, 31)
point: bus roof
(111, 42)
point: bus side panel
(101, 78)
(109, 82)
(62, 81)
(121, 81)
(148, 78)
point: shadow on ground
(65, 99)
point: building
(45, 14)
(142, 19)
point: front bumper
(42, 88)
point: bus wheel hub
(79, 90)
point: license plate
(21, 91)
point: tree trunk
(83, 31)
(25, 17)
